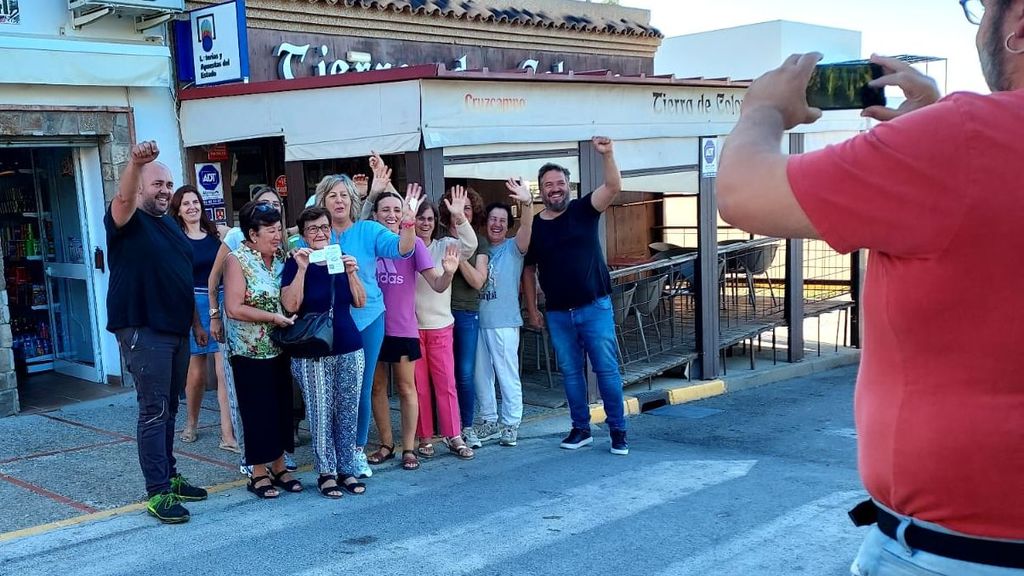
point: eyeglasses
(272, 203)
(974, 10)
(266, 207)
(323, 229)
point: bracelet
(408, 224)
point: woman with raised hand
(252, 296)
(330, 383)
(466, 311)
(497, 353)
(435, 372)
(366, 241)
(188, 209)
(401, 347)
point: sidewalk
(80, 462)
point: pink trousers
(435, 372)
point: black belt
(964, 548)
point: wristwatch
(214, 313)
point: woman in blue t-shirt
(330, 384)
(188, 209)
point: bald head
(157, 188)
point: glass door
(68, 273)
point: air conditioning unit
(147, 13)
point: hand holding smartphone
(844, 86)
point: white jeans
(497, 354)
(882, 556)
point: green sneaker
(167, 508)
(185, 491)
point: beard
(556, 206)
(992, 55)
(150, 205)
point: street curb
(640, 403)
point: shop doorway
(47, 265)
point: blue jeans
(467, 328)
(588, 329)
(373, 337)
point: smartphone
(844, 86)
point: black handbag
(311, 336)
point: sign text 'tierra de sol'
(323, 63)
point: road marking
(814, 525)
(485, 542)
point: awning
(81, 63)
(340, 122)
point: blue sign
(209, 177)
(212, 46)
(709, 151)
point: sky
(921, 27)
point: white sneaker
(245, 470)
(509, 436)
(362, 466)
(470, 437)
(289, 462)
(488, 431)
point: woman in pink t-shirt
(401, 347)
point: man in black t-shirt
(566, 251)
(151, 309)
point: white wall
(51, 18)
(746, 52)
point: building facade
(77, 89)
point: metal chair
(540, 345)
(622, 301)
(647, 306)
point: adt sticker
(709, 157)
(209, 177)
(210, 182)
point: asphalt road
(753, 482)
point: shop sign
(217, 153)
(9, 13)
(281, 185)
(323, 62)
(213, 45)
(210, 182)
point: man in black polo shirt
(566, 250)
(151, 309)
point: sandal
(292, 485)
(188, 435)
(332, 492)
(426, 450)
(379, 457)
(266, 491)
(409, 460)
(355, 487)
(230, 447)
(461, 451)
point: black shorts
(396, 347)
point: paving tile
(30, 434)
(23, 508)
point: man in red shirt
(935, 192)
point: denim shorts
(202, 297)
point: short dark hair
(503, 206)
(426, 204)
(309, 215)
(383, 195)
(476, 204)
(255, 215)
(552, 166)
